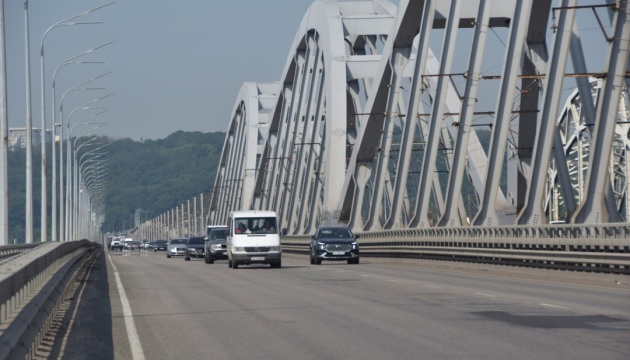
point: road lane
(378, 309)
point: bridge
(493, 131)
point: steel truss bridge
(436, 115)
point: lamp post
(54, 127)
(29, 135)
(69, 161)
(77, 199)
(76, 172)
(54, 116)
(4, 142)
(65, 22)
(61, 183)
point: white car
(176, 247)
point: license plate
(258, 258)
(339, 253)
(225, 253)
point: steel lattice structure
(488, 142)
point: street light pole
(44, 170)
(54, 152)
(29, 134)
(69, 160)
(4, 139)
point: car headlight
(321, 246)
(216, 247)
(355, 245)
(274, 248)
(238, 249)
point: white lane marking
(394, 281)
(432, 286)
(484, 294)
(554, 306)
(367, 276)
(132, 333)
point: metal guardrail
(31, 287)
(7, 251)
(604, 248)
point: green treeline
(152, 175)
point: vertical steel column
(597, 208)
(428, 173)
(451, 215)
(295, 198)
(533, 212)
(487, 214)
(399, 59)
(409, 130)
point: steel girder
(369, 126)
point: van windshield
(255, 225)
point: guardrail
(7, 251)
(604, 248)
(31, 287)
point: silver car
(176, 247)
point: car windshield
(196, 241)
(255, 225)
(218, 234)
(178, 241)
(160, 242)
(339, 233)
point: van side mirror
(284, 231)
(356, 236)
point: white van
(253, 238)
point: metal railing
(603, 247)
(31, 289)
(8, 251)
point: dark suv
(334, 243)
(160, 245)
(194, 247)
(215, 245)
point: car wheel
(206, 260)
(234, 265)
(168, 256)
(318, 261)
(230, 263)
(187, 258)
(353, 261)
(211, 261)
(311, 258)
(276, 265)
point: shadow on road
(83, 329)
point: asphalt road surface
(380, 309)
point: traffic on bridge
(425, 179)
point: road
(380, 309)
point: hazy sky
(176, 65)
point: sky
(175, 65)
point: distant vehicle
(132, 245)
(116, 244)
(176, 247)
(160, 245)
(334, 243)
(215, 244)
(194, 247)
(253, 238)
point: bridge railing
(603, 247)
(7, 251)
(31, 287)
